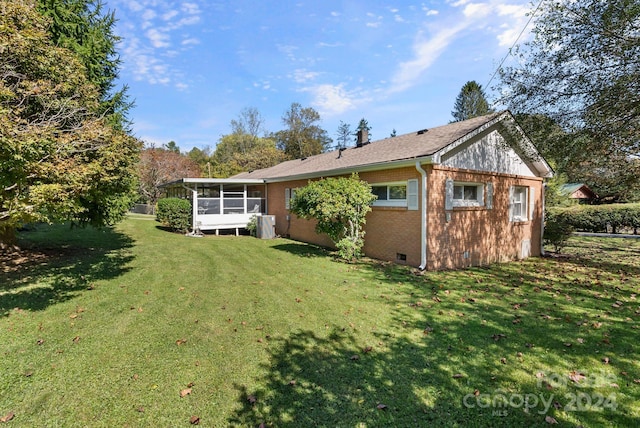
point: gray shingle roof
(392, 149)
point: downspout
(423, 218)
(544, 210)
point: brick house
(467, 193)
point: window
(468, 195)
(519, 203)
(390, 195)
(288, 195)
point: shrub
(340, 206)
(174, 213)
(252, 226)
(599, 218)
(556, 231)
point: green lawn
(136, 326)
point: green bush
(600, 218)
(556, 231)
(252, 226)
(174, 213)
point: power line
(514, 43)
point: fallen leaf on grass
(76, 339)
(354, 358)
(381, 406)
(605, 360)
(7, 417)
(576, 376)
(292, 382)
(40, 341)
(185, 392)
(458, 376)
(140, 409)
(194, 420)
(499, 336)
(550, 420)
(503, 360)
(181, 342)
(252, 399)
(367, 349)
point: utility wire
(514, 43)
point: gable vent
(422, 131)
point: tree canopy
(577, 85)
(303, 135)
(340, 206)
(471, 102)
(343, 135)
(160, 165)
(86, 28)
(582, 69)
(61, 159)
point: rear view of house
(467, 193)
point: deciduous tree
(582, 69)
(303, 135)
(159, 166)
(60, 158)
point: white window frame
(478, 202)
(288, 195)
(519, 197)
(391, 202)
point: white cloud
(373, 24)
(331, 100)
(303, 76)
(426, 52)
(476, 10)
(398, 18)
(158, 39)
(191, 8)
(330, 45)
(190, 41)
(170, 15)
(335, 14)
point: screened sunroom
(220, 203)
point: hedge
(174, 213)
(599, 218)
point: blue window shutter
(448, 201)
(412, 195)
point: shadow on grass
(303, 249)
(55, 263)
(482, 347)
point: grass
(110, 327)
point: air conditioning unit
(266, 227)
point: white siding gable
(490, 153)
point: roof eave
(182, 181)
(348, 170)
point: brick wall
(470, 236)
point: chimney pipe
(362, 137)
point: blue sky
(192, 66)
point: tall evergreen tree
(363, 125)
(343, 135)
(471, 102)
(86, 28)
